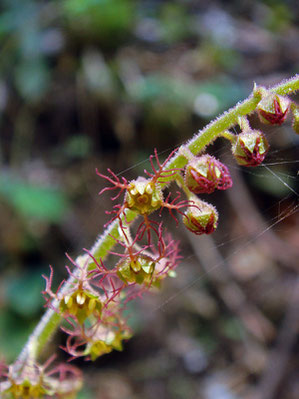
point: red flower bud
(273, 109)
(204, 174)
(250, 148)
(201, 218)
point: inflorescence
(94, 303)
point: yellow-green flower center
(143, 196)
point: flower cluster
(94, 300)
(203, 174)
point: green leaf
(109, 20)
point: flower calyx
(273, 109)
(201, 218)
(250, 148)
(205, 174)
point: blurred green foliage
(32, 201)
(23, 293)
(106, 20)
(14, 331)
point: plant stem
(51, 319)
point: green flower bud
(273, 109)
(204, 174)
(250, 148)
(201, 218)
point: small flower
(201, 218)
(250, 148)
(204, 174)
(138, 269)
(81, 304)
(149, 264)
(143, 196)
(104, 336)
(105, 341)
(87, 296)
(25, 389)
(273, 109)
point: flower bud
(201, 218)
(204, 174)
(273, 109)
(295, 124)
(250, 148)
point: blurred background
(101, 83)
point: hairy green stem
(51, 319)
